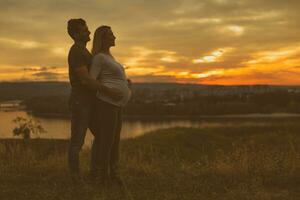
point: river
(60, 127)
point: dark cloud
(47, 75)
(35, 56)
(153, 78)
(39, 69)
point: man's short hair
(73, 26)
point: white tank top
(110, 73)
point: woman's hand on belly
(129, 83)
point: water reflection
(60, 128)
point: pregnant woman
(108, 110)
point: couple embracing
(99, 90)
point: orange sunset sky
(191, 41)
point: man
(83, 89)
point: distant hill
(26, 90)
(165, 98)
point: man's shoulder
(75, 48)
(99, 56)
(72, 50)
(76, 52)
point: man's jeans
(81, 115)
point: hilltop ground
(234, 162)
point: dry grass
(239, 163)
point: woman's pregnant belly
(119, 84)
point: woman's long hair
(98, 39)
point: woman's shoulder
(100, 56)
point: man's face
(83, 34)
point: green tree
(26, 127)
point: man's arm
(93, 84)
(86, 79)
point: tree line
(269, 102)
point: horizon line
(179, 83)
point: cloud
(39, 69)
(180, 35)
(34, 73)
(46, 75)
(161, 79)
(214, 56)
(51, 73)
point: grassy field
(230, 162)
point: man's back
(78, 56)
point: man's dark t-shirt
(79, 56)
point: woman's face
(110, 38)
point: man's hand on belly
(113, 93)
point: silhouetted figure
(109, 111)
(82, 98)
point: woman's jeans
(107, 138)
